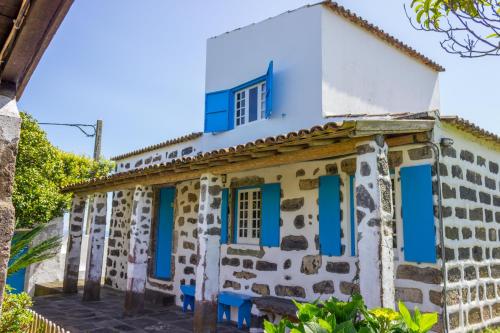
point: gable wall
(361, 74)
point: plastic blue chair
(242, 302)
(188, 291)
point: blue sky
(140, 67)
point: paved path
(106, 316)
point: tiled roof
(163, 144)
(467, 126)
(373, 29)
(315, 137)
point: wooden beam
(171, 175)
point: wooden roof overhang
(319, 142)
(26, 29)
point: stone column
(10, 125)
(374, 217)
(207, 271)
(74, 247)
(137, 265)
(93, 273)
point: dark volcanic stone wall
(471, 191)
(184, 257)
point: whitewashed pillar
(93, 273)
(10, 125)
(207, 271)
(73, 252)
(374, 217)
(137, 265)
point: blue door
(16, 280)
(164, 230)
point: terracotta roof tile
(467, 126)
(163, 144)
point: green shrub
(334, 316)
(16, 317)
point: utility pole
(97, 142)
(97, 134)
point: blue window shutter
(218, 111)
(224, 213)
(329, 215)
(164, 229)
(352, 216)
(270, 224)
(269, 92)
(418, 214)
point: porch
(174, 224)
(106, 315)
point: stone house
(322, 171)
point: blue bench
(242, 302)
(188, 291)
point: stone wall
(119, 238)
(471, 199)
(296, 269)
(157, 156)
(184, 255)
(417, 284)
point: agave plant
(21, 258)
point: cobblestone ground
(106, 316)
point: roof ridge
(170, 142)
(393, 41)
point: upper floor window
(250, 104)
(249, 215)
(240, 105)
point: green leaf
(405, 314)
(493, 34)
(269, 327)
(427, 321)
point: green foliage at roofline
(334, 316)
(41, 170)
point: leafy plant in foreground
(334, 316)
(16, 317)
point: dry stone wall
(471, 199)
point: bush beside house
(41, 170)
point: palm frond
(34, 254)
(21, 240)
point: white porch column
(137, 265)
(207, 271)
(92, 288)
(374, 217)
(74, 247)
(10, 126)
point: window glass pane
(252, 105)
(249, 216)
(240, 107)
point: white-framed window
(249, 215)
(250, 104)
